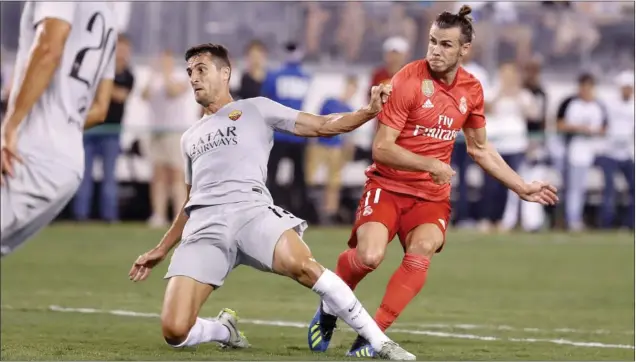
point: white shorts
(32, 199)
(219, 238)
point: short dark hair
(219, 53)
(586, 78)
(461, 20)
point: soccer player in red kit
(408, 187)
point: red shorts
(400, 213)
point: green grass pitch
(548, 296)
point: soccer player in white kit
(62, 83)
(229, 218)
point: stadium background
(521, 280)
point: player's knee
(426, 245)
(370, 258)
(175, 330)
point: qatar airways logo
(440, 132)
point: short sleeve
(476, 118)
(276, 115)
(49, 9)
(187, 162)
(396, 110)
(563, 108)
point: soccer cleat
(229, 319)
(321, 330)
(392, 351)
(361, 348)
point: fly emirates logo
(440, 132)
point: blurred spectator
(103, 141)
(583, 119)
(619, 152)
(460, 159)
(164, 93)
(288, 86)
(351, 30)
(396, 51)
(532, 215)
(573, 31)
(507, 106)
(255, 72)
(401, 24)
(331, 152)
(501, 20)
(316, 19)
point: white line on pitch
(509, 328)
(127, 313)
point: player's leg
(422, 232)
(271, 241)
(376, 225)
(198, 266)
(27, 208)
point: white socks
(343, 303)
(205, 330)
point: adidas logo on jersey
(428, 104)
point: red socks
(350, 269)
(404, 285)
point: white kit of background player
(63, 82)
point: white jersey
(226, 153)
(53, 129)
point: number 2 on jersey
(101, 47)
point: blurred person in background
(583, 119)
(103, 142)
(351, 30)
(618, 154)
(333, 152)
(532, 215)
(460, 159)
(255, 72)
(164, 93)
(507, 106)
(396, 51)
(289, 86)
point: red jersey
(428, 114)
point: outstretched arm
(311, 125)
(485, 155)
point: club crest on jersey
(367, 211)
(427, 87)
(463, 107)
(234, 115)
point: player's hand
(379, 95)
(442, 173)
(8, 152)
(144, 263)
(540, 192)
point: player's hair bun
(464, 12)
